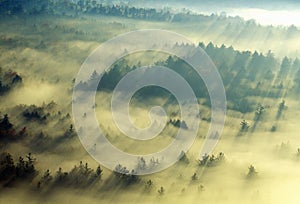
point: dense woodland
(259, 74)
(249, 78)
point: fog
(47, 51)
(283, 13)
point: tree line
(8, 80)
(244, 74)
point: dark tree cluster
(11, 171)
(80, 176)
(124, 11)
(42, 141)
(178, 123)
(142, 165)
(248, 74)
(210, 161)
(38, 113)
(245, 74)
(35, 113)
(125, 176)
(8, 80)
(8, 132)
(5, 124)
(68, 7)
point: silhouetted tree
(46, 178)
(251, 172)
(60, 175)
(5, 123)
(244, 125)
(200, 188)
(141, 164)
(259, 112)
(284, 68)
(161, 191)
(25, 168)
(183, 158)
(178, 123)
(298, 152)
(99, 171)
(125, 176)
(212, 160)
(7, 166)
(273, 128)
(149, 185)
(194, 177)
(280, 109)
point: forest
(43, 44)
